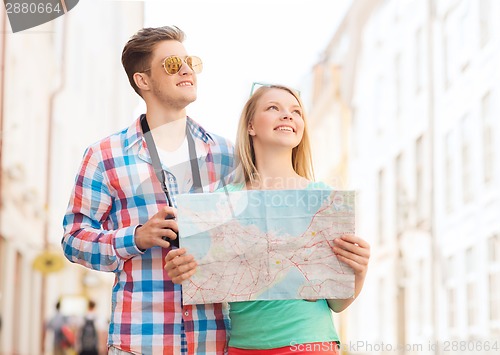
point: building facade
(405, 104)
(63, 87)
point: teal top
(275, 324)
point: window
(401, 196)
(457, 41)
(452, 305)
(494, 295)
(419, 60)
(382, 101)
(451, 292)
(422, 290)
(465, 30)
(452, 35)
(383, 306)
(488, 138)
(445, 47)
(397, 85)
(467, 183)
(484, 21)
(471, 287)
(494, 279)
(450, 182)
(471, 305)
(449, 268)
(419, 179)
(494, 249)
(355, 132)
(381, 205)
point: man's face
(177, 90)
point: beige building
(405, 110)
(62, 88)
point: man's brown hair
(136, 55)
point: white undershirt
(178, 164)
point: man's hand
(151, 233)
(179, 265)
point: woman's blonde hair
(244, 150)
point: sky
(241, 42)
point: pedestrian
(63, 338)
(121, 213)
(272, 147)
(89, 335)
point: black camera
(173, 242)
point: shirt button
(186, 313)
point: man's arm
(84, 241)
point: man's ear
(142, 81)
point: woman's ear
(142, 81)
(251, 131)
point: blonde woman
(274, 153)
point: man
(89, 335)
(119, 219)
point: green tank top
(275, 324)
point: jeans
(115, 351)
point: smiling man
(121, 212)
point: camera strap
(155, 159)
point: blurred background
(403, 101)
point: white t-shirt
(178, 163)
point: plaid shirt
(116, 190)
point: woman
(273, 149)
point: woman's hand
(354, 252)
(179, 265)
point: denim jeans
(115, 351)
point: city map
(266, 245)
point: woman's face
(277, 121)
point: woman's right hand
(179, 265)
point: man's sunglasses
(173, 64)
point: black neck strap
(155, 159)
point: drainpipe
(434, 262)
(2, 94)
(2, 110)
(48, 179)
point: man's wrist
(137, 239)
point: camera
(173, 242)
